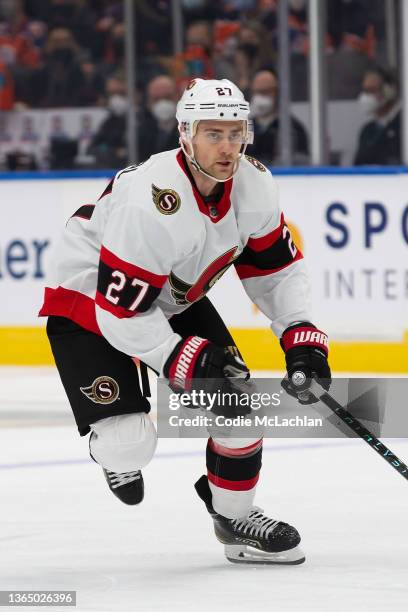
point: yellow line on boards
(259, 347)
(24, 346)
(261, 351)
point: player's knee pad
(123, 443)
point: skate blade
(237, 553)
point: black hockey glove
(306, 350)
(196, 358)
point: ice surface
(61, 528)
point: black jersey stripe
(85, 211)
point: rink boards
(352, 227)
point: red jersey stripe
(71, 304)
(113, 261)
(264, 242)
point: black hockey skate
(255, 538)
(127, 486)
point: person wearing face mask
(158, 127)
(265, 115)
(380, 137)
(109, 143)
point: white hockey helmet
(219, 100)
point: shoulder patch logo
(104, 390)
(256, 163)
(167, 201)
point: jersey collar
(215, 210)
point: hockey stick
(298, 380)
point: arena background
(63, 135)
(90, 86)
(351, 227)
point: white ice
(62, 529)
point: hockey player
(131, 277)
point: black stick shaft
(364, 433)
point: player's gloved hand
(197, 364)
(306, 350)
(196, 358)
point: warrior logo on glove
(306, 350)
(195, 358)
(304, 336)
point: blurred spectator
(199, 33)
(352, 26)
(158, 128)
(28, 132)
(254, 53)
(264, 111)
(93, 86)
(225, 46)
(345, 69)
(85, 137)
(63, 148)
(7, 98)
(109, 146)
(61, 81)
(100, 43)
(36, 33)
(242, 52)
(153, 25)
(12, 11)
(195, 61)
(115, 48)
(17, 49)
(298, 27)
(18, 58)
(74, 15)
(115, 85)
(380, 138)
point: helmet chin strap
(197, 166)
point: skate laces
(118, 480)
(255, 524)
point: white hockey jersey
(151, 246)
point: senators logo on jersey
(256, 163)
(104, 390)
(167, 201)
(184, 293)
